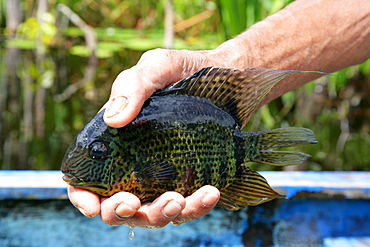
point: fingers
(198, 204)
(124, 208)
(87, 202)
(118, 208)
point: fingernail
(209, 200)
(124, 211)
(117, 105)
(171, 209)
(83, 211)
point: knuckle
(110, 221)
(156, 55)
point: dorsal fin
(237, 92)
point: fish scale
(187, 136)
(208, 143)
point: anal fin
(248, 189)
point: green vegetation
(51, 86)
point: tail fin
(249, 187)
(270, 140)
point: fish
(186, 136)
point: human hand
(124, 208)
(156, 70)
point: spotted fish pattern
(187, 136)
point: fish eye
(98, 150)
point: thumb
(127, 98)
(155, 70)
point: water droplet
(131, 234)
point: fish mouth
(71, 179)
(97, 188)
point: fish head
(88, 160)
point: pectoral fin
(157, 174)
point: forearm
(321, 35)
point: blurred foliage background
(58, 60)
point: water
(131, 234)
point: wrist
(234, 54)
(254, 48)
